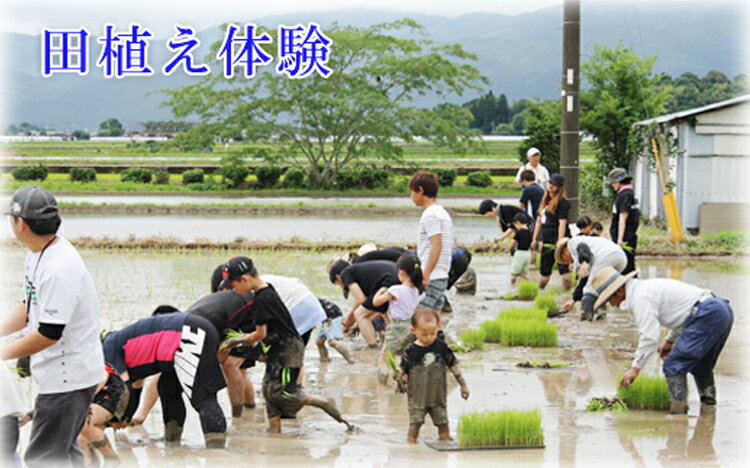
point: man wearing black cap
(625, 215)
(61, 316)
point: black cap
(33, 203)
(557, 179)
(486, 206)
(233, 269)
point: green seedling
(391, 360)
(528, 333)
(542, 365)
(646, 392)
(626, 248)
(459, 348)
(472, 338)
(546, 302)
(231, 333)
(527, 290)
(528, 313)
(491, 330)
(501, 428)
(607, 404)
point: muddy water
(130, 284)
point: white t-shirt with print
(62, 292)
(436, 220)
(405, 301)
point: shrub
(528, 333)
(479, 179)
(294, 177)
(38, 172)
(161, 177)
(645, 392)
(361, 178)
(527, 289)
(546, 302)
(193, 176)
(233, 170)
(208, 186)
(80, 135)
(82, 174)
(530, 313)
(446, 177)
(473, 338)
(139, 175)
(501, 428)
(267, 176)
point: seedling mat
(452, 446)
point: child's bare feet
(443, 432)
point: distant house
(711, 169)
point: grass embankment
(501, 428)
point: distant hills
(521, 55)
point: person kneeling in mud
(282, 344)
(423, 369)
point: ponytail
(410, 264)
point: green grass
(646, 392)
(546, 302)
(527, 313)
(501, 428)
(472, 338)
(528, 333)
(527, 290)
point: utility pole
(570, 102)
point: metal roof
(691, 112)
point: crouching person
(698, 321)
(183, 347)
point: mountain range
(521, 55)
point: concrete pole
(570, 102)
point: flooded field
(131, 283)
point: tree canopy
(111, 127)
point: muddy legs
(329, 407)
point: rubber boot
(172, 432)
(587, 307)
(215, 440)
(706, 388)
(677, 385)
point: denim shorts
(332, 329)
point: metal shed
(711, 166)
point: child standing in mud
(403, 300)
(423, 369)
(281, 343)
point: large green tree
(361, 110)
(621, 90)
(111, 127)
(543, 130)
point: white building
(711, 167)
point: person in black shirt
(282, 345)
(521, 243)
(532, 194)
(422, 368)
(625, 215)
(363, 280)
(503, 216)
(551, 225)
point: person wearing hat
(282, 345)
(552, 225)
(61, 317)
(533, 155)
(589, 254)
(699, 323)
(625, 215)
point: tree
(543, 130)
(360, 110)
(621, 91)
(111, 127)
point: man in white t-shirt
(435, 242)
(533, 155)
(60, 316)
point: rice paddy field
(131, 282)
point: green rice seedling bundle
(501, 428)
(527, 313)
(459, 348)
(528, 333)
(391, 360)
(230, 333)
(546, 302)
(472, 338)
(491, 330)
(527, 290)
(607, 404)
(645, 392)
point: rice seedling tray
(452, 446)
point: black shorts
(249, 353)
(369, 306)
(548, 261)
(113, 397)
(283, 397)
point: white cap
(532, 151)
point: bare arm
(621, 226)
(537, 228)
(148, 399)
(381, 297)
(16, 321)
(26, 346)
(563, 223)
(359, 299)
(456, 371)
(436, 247)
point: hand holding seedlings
(665, 349)
(629, 377)
(401, 379)
(583, 270)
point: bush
(209, 186)
(233, 170)
(139, 175)
(501, 428)
(479, 179)
(161, 177)
(294, 177)
(82, 174)
(446, 177)
(361, 178)
(193, 176)
(645, 393)
(268, 176)
(38, 172)
(80, 135)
